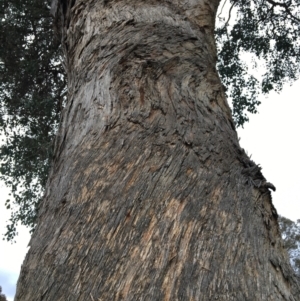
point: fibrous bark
(150, 196)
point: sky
(11, 255)
(271, 138)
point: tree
(31, 102)
(32, 95)
(268, 31)
(290, 232)
(150, 196)
(2, 296)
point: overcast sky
(271, 137)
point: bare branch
(229, 15)
(286, 7)
(222, 9)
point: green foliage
(269, 30)
(33, 86)
(31, 96)
(290, 232)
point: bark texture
(150, 195)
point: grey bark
(150, 196)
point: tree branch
(286, 8)
(229, 14)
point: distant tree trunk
(150, 195)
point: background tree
(291, 237)
(2, 296)
(32, 95)
(268, 32)
(150, 196)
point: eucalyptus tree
(33, 86)
(150, 196)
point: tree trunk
(150, 196)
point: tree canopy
(33, 86)
(268, 31)
(31, 99)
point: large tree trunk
(150, 195)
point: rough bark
(150, 195)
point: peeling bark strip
(150, 195)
